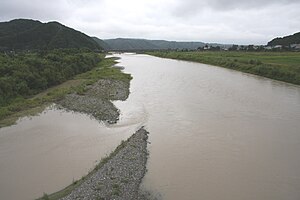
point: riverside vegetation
(282, 66)
(32, 81)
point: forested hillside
(25, 34)
(103, 44)
(286, 41)
(143, 44)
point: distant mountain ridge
(124, 44)
(100, 42)
(286, 41)
(27, 34)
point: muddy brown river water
(215, 134)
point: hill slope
(143, 44)
(100, 42)
(25, 34)
(286, 41)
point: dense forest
(25, 74)
(25, 34)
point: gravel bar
(120, 175)
(96, 101)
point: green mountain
(143, 44)
(26, 34)
(103, 44)
(286, 41)
(129, 44)
(162, 44)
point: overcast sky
(221, 21)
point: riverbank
(26, 74)
(96, 99)
(78, 86)
(282, 66)
(117, 176)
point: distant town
(291, 47)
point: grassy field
(11, 113)
(282, 66)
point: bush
(26, 74)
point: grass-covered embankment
(76, 85)
(282, 66)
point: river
(215, 134)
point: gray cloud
(34, 9)
(225, 21)
(193, 6)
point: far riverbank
(282, 66)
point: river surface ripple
(215, 134)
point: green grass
(282, 66)
(105, 72)
(23, 107)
